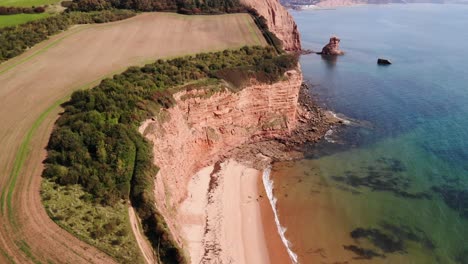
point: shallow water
(393, 189)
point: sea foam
(268, 184)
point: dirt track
(31, 84)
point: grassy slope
(27, 3)
(110, 225)
(13, 20)
(22, 239)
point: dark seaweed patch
(392, 164)
(381, 240)
(385, 176)
(409, 234)
(462, 257)
(387, 239)
(363, 253)
(454, 198)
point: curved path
(32, 87)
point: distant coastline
(327, 4)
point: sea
(392, 185)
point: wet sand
(276, 249)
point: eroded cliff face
(200, 130)
(279, 22)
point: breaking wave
(268, 184)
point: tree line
(181, 6)
(96, 144)
(12, 10)
(15, 40)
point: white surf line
(268, 184)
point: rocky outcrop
(200, 129)
(383, 61)
(279, 21)
(332, 48)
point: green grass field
(13, 20)
(27, 3)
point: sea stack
(332, 48)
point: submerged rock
(383, 62)
(306, 51)
(332, 48)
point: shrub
(21, 10)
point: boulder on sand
(332, 48)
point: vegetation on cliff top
(105, 227)
(96, 145)
(21, 10)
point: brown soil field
(31, 86)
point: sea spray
(340, 118)
(328, 135)
(268, 184)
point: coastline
(227, 217)
(220, 207)
(277, 250)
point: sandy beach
(222, 220)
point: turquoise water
(393, 188)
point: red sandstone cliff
(279, 22)
(199, 130)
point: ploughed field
(33, 85)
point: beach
(227, 218)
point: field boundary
(75, 29)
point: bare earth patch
(38, 79)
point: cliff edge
(203, 127)
(279, 21)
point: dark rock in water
(383, 62)
(332, 48)
(306, 51)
